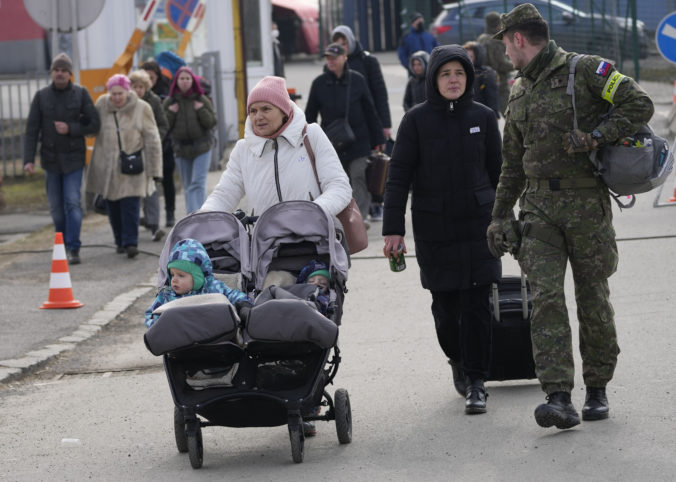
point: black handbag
(339, 131)
(340, 134)
(129, 163)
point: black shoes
(158, 234)
(132, 251)
(475, 400)
(558, 411)
(74, 256)
(595, 405)
(120, 250)
(459, 381)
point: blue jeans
(193, 174)
(63, 194)
(123, 215)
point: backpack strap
(570, 88)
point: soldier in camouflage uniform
(495, 57)
(565, 212)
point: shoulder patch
(603, 68)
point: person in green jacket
(191, 117)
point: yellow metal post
(240, 65)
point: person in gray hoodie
(415, 88)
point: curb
(13, 369)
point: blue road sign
(179, 13)
(665, 37)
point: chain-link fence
(611, 28)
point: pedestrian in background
(415, 87)
(416, 39)
(447, 153)
(329, 99)
(140, 82)
(160, 86)
(496, 58)
(128, 125)
(60, 116)
(362, 61)
(160, 82)
(485, 78)
(271, 163)
(565, 210)
(191, 118)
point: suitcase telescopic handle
(524, 296)
(496, 302)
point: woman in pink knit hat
(271, 163)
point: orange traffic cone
(673, 198)
(60, 289)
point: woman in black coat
(448, 152)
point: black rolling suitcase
(512, 351)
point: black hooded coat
(485, 82)
(449, 154)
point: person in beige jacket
(137, 131)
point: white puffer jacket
(251, 171)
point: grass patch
(25, 193)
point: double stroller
(272, 366)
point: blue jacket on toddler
(192, 250)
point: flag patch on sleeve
(603, 68)
(474, 130)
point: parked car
(571, 28)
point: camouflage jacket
(495, 54)
(539, 112)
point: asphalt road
(102, 410)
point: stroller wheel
(297, 441)
(179, 431)
(343, 416)
(195, 447)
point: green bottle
(398, 262)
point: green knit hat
(191, 268)
(320, 272)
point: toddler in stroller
(190, 273)
(285, 349)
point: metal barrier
(15, 100)
(208, 65)
(16, 96)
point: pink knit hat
(273, 90)
(119, 79)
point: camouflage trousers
(582, 219)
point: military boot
(595, 404)
(558, 411)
